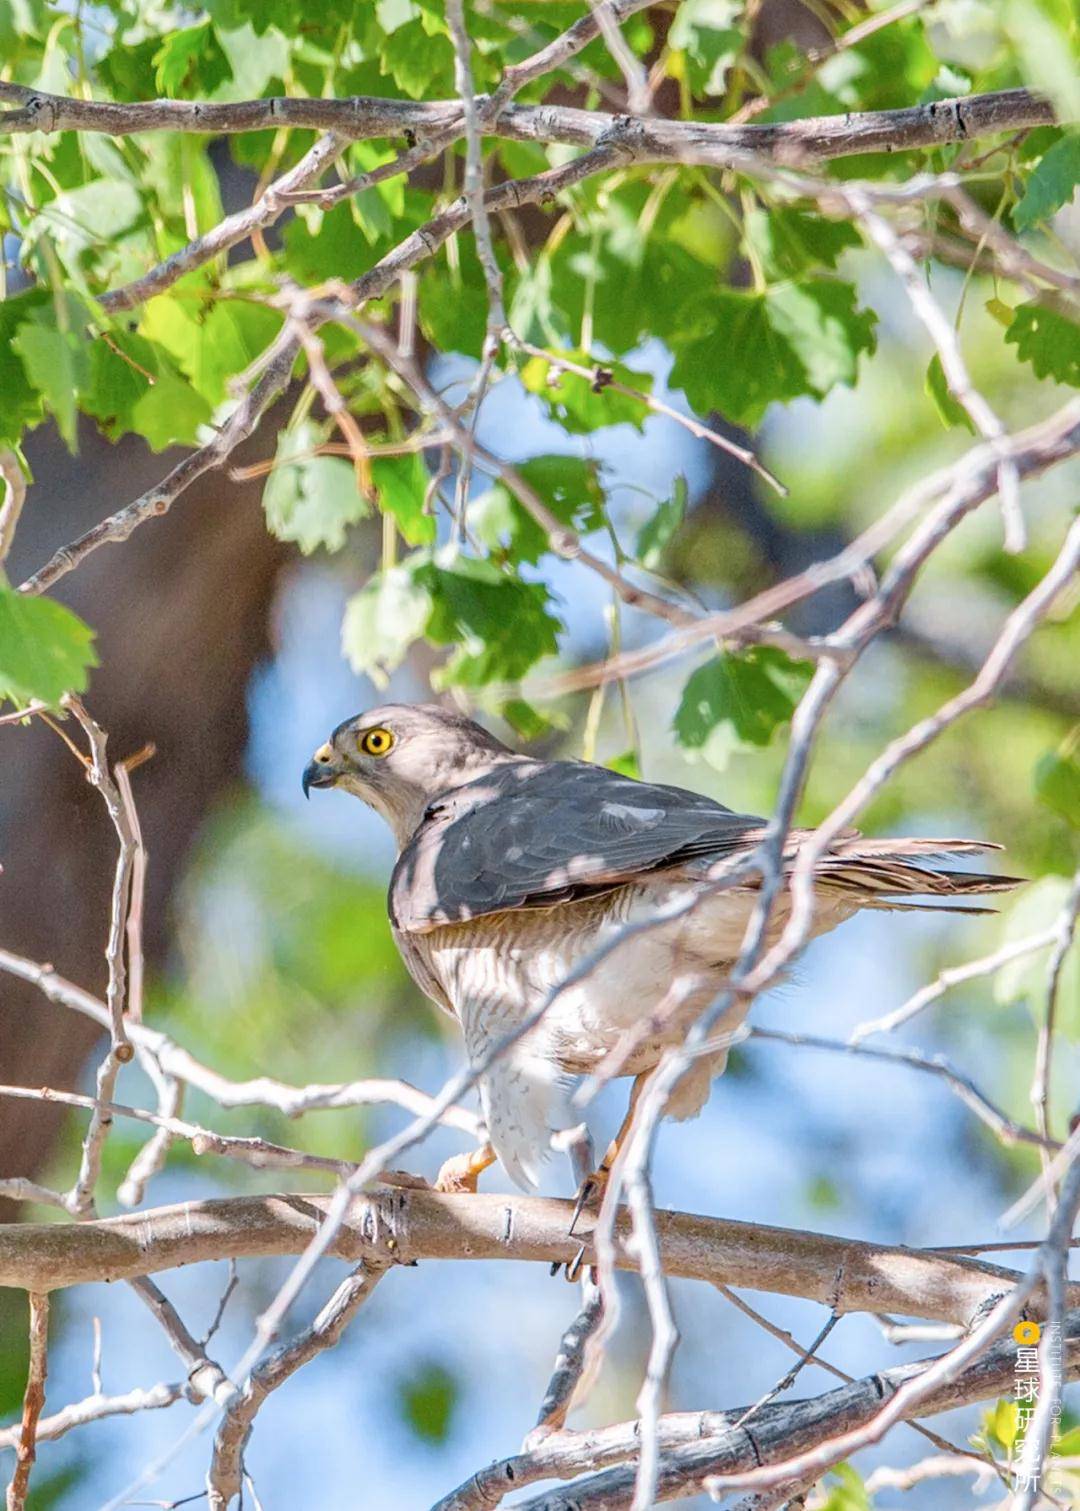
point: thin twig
(33, 1402)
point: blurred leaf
(500, 625)
(417, 62)
(1049, 339)
(426, 1401)
(626, 764)
(1051, 185)
(582, 405)
(210, 343)
(848, 1493)
(657, 533)
(1036, 908)
(799, 338)
(789, 243)
(57, 362)
(702, 30)
(739, 699)
(169, 413)
(313, 499)
(568, 485)
(21, 398)
(402, 482)
(525, 720)
(1000, 1423)
(382, 621)
(950, 413)
(45, 649)
(119, 368)
(1057, 779)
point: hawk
(513, 871)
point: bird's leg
(582, 1151)
(462, 1171)
(592, 1188)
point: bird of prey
(513, 872)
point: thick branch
(794, 143)
(698, 1446)
(401, 1225)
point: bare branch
(96, 1407)
(400, 1224)
(695, 1445)
(268, 208)
(226, 1467)
(33, 1401)
(795, 143)
(262, 1091)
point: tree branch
(697, 1445)
(793, 143)
(399, 1225)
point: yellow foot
(462, 1172)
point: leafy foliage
(45, 649)
(614, 269)
(739, 700)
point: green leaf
(190, 57)
(657, 533)
(1036, 908)
(45, 649)
(417, 61)
(702, 30)
(210, 343)
(427, 1400)
(311, 499)
(169, 413)
(739, 700)
(582, 405)
(789, 243)
(500, 624)
(626, 764)
(1051, 185)
(525, 720)
(118, 380)
(254, 60)
(382, 621)
(87, 227)
(57, 362)
(795, 339)
(949, 412)
(1001, 1423)
(21, 404)
(1057, 779)
(568, 485)
(846, 1491)
(1045, 336)
(401, 482)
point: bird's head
(401, 757)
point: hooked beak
(319, 771)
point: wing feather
(534, 834)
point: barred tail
(887, 872)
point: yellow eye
(376, 742)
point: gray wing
(533, 834)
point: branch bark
(791, 143)
(399, 1225)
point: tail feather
(885, 870)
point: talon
(573, 1269)
(590, 1192)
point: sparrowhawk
(512, 871)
